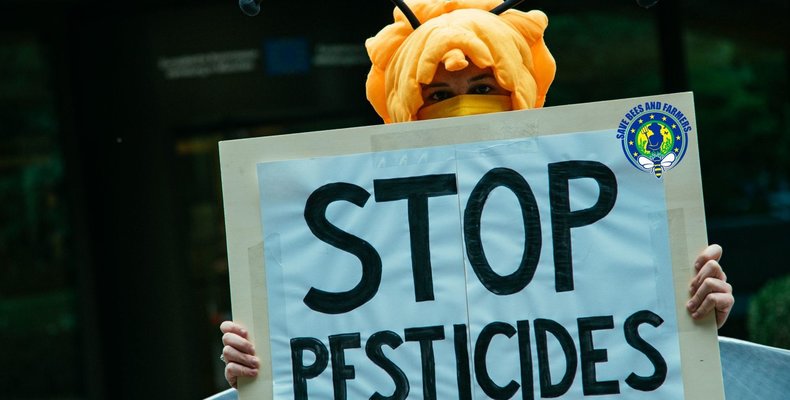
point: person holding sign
(451, 58)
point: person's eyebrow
(480, 77)
(435, 85)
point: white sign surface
(391, 240)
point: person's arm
(238, 353)
(709, 289)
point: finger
(232, 380)
(720, 303)
(709, 287)
(712, 252)
(715, 301)
(711, 269)
(233, 371)
(232, 327)
(239, 343)
(233, 355)
(723, 308)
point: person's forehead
(471, 71)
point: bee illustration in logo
(657, 164)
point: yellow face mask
(465, 104)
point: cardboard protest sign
(529, 254)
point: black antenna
(508, 4)
(415, 23)
(250, 7)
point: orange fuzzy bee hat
(454, 32)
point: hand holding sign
(709, 289)
(238, 353)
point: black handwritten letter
(525, 359)
(340, 371)
(417, 190)
(463, 375)
(301, 372)
(652, 382)
(490, 387)
(375, 354)
(513, 283)
(543, 327)
(315, 216)
(426, 336)
(589, 356)
(563, 219)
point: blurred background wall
(113, 274)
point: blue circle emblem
(655, 142)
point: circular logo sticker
(654, 140)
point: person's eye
(440, 95)
(481, 89)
